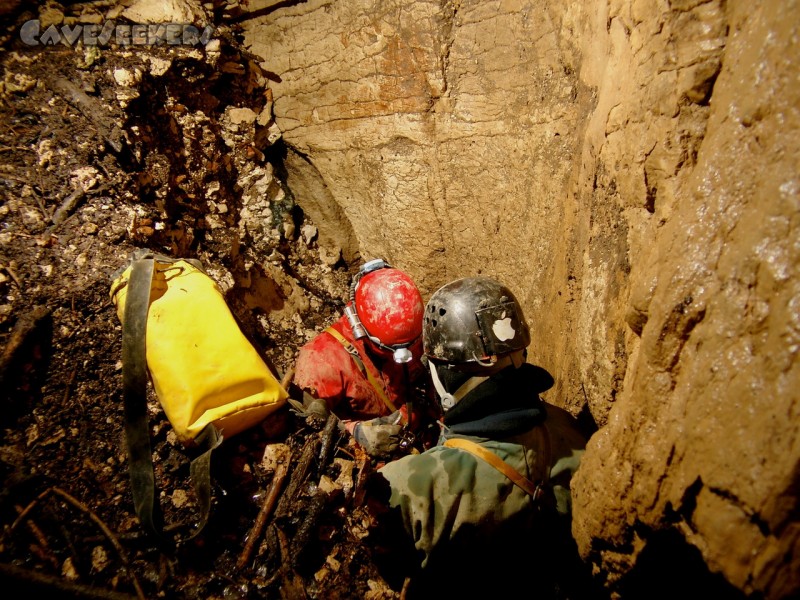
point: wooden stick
(56, 587)
(111, 537)
(298, 474)
(275, 487)
(404, 591)
(287, 378)
(283, 548)
(364, 466)
(24, 512)
(69, 204)
(329, 437)
(308, 526)
(24, 329)
(46, 554)
(106, 531)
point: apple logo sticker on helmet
(502, 329)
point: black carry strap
(137, 432)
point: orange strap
(533, 489)
(362, 367)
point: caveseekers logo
(122, 34)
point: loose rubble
(105, 149)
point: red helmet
(388, 304)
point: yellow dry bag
(211, 382)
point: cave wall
(447, 134)
(631, 170)
(704, 434)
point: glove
(310, 407)
(380, 437)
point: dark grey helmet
(473, 320)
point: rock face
(632, 170)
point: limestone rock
(165, 11)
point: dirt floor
(103, 151)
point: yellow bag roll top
(204, 370)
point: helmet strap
(447, 399)
(400, 353)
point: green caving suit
(474, 532)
